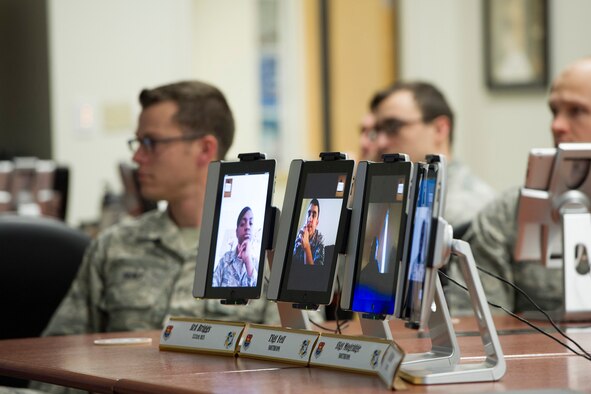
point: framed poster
(516, 44)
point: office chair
(39, 258)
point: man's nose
(139, 156)
(560, 125)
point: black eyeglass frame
(392, 126)
(149, 143)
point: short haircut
(202, 110)
(315, 202)
(429, 99)
(241, 215)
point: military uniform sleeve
(492, 238)
(80, 311)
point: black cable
(514, 286)
(584, 355)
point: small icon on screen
(340, 186)
(228, 188)
(400, 191)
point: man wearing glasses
(139, 272)
(415, 118)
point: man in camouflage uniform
(493, 233)
(415, 118)
(139, 272)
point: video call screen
(375, 284)
(312, 253)
(421, 234)
(238, 250)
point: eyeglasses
(149, 143)
(392, 126)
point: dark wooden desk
(533, 361)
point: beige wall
(103, 53)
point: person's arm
(244, 252)
(80, 311)
(307, 248)
(319, 251)
(218, 273)
(251, 280)
(492, 238)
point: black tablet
(377, 237)
(428, 205)
(310, 231)
(234, 230)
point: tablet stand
(572, 209)
(576, 230)
(441, 364)
(445, 350)
(422, 371)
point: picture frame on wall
(516, 44)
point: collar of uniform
(158, 227)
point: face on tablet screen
(240, 230)
(375, 284)
(312, 252)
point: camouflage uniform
(466, 194)
(492, 237)
(135, 275)
(231, 271)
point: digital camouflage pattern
(492, 236)
(134, 276)
(466, 194)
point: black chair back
(39, 258)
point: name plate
(389, 366)
(201, 336)
(358, 354)
(276, 343)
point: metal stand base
(493, 368)
(444, 345)
(293, 318)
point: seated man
(493, 233)
(415, 118)
(139, 272)
(309, 244)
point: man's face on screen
(169, 170)
(570, 104)
(312, 218)
(244, 229)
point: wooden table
(533, 362)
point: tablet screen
(419, 247)
(313, 232)
(374, 290)
(240, 230)
(234, 229)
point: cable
(584, 355)
(514, 286)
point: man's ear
(208, 150)
(442, 130)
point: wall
(442, 42)
(103, 53)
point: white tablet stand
(441, 364)
(572, 210)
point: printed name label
(201, 336)
(281, 344)
(359, 354)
